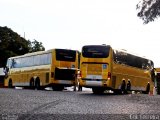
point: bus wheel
(31, 84)
(97, 91)
(10, 85)
(117, 91)
(147, 88)
(123, 87)
(57, 88)
(37, 84)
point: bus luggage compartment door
(65, 74)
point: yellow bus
(55, 67)
(103, 68)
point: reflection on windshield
(95, 51)
(65, 55)
(132, 60)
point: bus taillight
(109, 75)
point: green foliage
(148, 10)
(35, 46)
(12, 44)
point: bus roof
(31, 54)
(37, 53)
(121, 50)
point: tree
(12, 44)
(35, 46)
(148, 10)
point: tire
(117, 91)
(97, 91)
(57, 88)
(10, 84)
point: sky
(70, 24)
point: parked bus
(55, 67)
(103, 68)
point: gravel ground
(68, 105)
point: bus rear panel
(95, 66)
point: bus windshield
(95, 51)
(65, 55)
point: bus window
(65, 55)
(95, 51)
